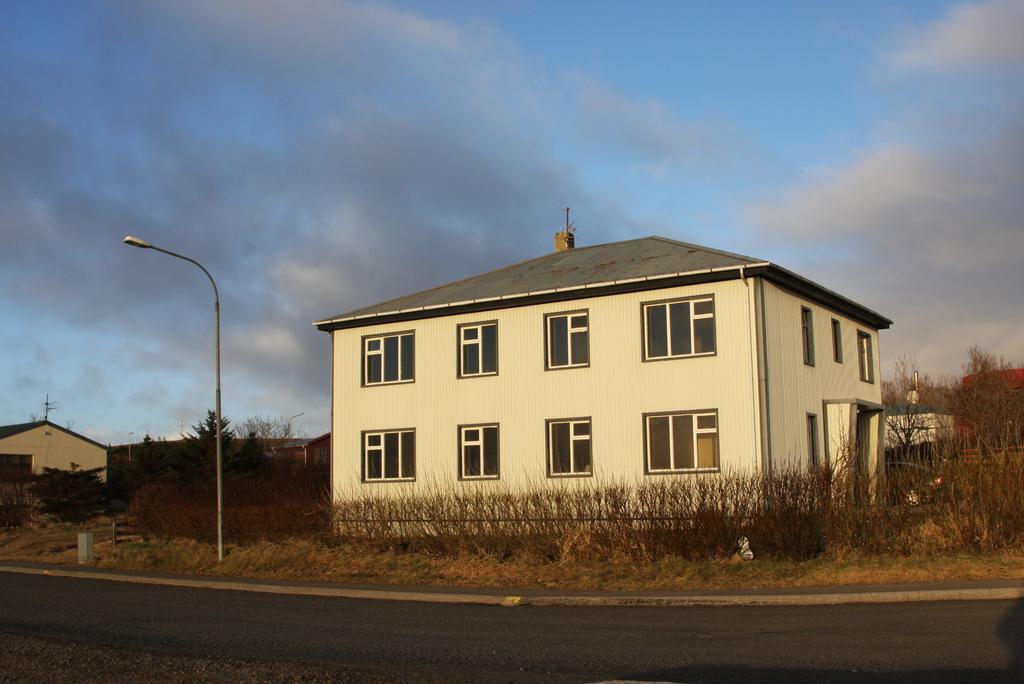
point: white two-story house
(621, 362)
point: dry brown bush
(289, 502)
(793, 516)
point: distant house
(621, 362)
(318, 451)
(27, 448)
(310, 452)
(909, 426)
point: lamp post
(130, 434)
(142, 244)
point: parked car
(913, 484)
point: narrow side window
(865, 356)
(837, 341)
(813, 457)
(807, 334)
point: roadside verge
(818, 596)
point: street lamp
(142, 244)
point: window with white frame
(679, 328)
(389, 359)
(681, 441)
(389, 455)
(807, 334)
(478, 452)
(865, 356)
(478, 349)
(569, 451)
(568, 340)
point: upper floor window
(865, 356)
(807, 334)
(568, 339)
(478, 349)
(837, 341)
(569, 447)
(389, 359)
(679, 328)
(478, 451)
(389, 455)
(681, 442)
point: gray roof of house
(9, 430)
(639, 264)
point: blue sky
(324, 155)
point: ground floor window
(15, 466)
(682, 441)
(478, 449)
(813, 456)
(569, 451)
(389, 455)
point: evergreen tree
(196, 459)
(248, 460)
(70, 495)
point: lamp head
(136, 242)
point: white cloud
(316, 29)
(969, 36)
(648, 129)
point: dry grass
(304, 560)
(54, 542)
(308, 560)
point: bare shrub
(692, 518)
(288, 502)
(989, 403)
(17, 505)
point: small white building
(911, 425)
(620, 362)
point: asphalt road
(345, 639)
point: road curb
(506, 600)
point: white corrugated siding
(614, 391)
(795, 389)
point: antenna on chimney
(565, 239)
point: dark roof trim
(17, 429)
(821, 295)
(771, 272)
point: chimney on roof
(565, 239)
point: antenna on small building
(565, 239)
(47, 407)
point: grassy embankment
(805, 530)
(305, 560)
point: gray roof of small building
(915, 409)
(16, 428)
(570, 274)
